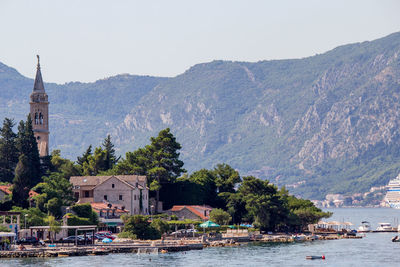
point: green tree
(159, 161)
(20, 190)
(164, 164)
(138, 225)
(235, 205)
(27, 145)
(53, 207)
(160, 225)
(85, 156)
(55, 227)
(226, 178)
(33, 216)
(8, 151)
(136, 162)
(96, 163)
(263, 203)
(55, 191)
(220, 216)
(64, 166)
(206, 180)
(302, 212)
(110, 160)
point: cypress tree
(8, 151)
(27, 145)
(22, 179)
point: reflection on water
(376, 249)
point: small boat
(315, 257)
(365, 227)
(383, 227)
(396, 239)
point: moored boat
(385, 227)
(365, 227)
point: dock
(96, 250)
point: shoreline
(158, 246)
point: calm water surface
(375, 249)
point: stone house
(192, 212)
(129, 192)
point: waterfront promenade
(160, 246)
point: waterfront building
(127, 192)
(192, 212)
(39, 111)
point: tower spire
(38, 85)
(40, 113)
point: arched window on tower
(36, 118)
(41, 118)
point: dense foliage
(220, 216)
(140, 227)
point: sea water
(375, 249)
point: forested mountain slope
(322, 124)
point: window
(112, 185)
(120, 197)
(134, 197)
(86, 193)
(105, 197)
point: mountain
(323, 124)
(80, 113)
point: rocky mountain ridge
(326, 124)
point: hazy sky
(86, 40)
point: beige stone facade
(127, 191)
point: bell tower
(39, 110)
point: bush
(127, 235)
(76, 220)
(85, 211)
(160, 225)
(220, 216)
(4, 229)
(138, 225)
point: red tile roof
(196, 209)
(7, 191)
(97, 206)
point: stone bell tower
(40, 113)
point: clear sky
(86, 40)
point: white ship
(393, 193)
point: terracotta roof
(97, 206)
(196, 209)
(96, 180)
(6, 190)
